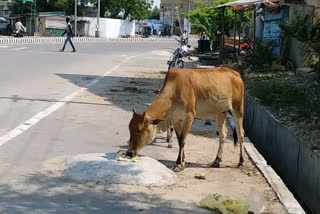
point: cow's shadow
(128, 92)
(170, 164)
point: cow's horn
(134, 110)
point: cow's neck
(159, 108)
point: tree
(50, 6)
(155, 14)
(208, 21)
(132, 9)
(306, 30)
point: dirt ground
(201, 147)
(133, 88)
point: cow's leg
(222, 125)
(182, 129)
(169, 135)
(238, 117)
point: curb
(30, 40)
(283, 193)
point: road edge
(283, 193)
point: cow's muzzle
(131, 154)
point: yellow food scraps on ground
(224, 204)
(126, 159)
(122, 157)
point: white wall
(111, 28)
(93, 26)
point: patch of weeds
(291, 95)
(317, 69)
(261, 55)
(287, 94)
(286, 97)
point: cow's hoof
(178, 168)
(170, 146)
(240, 164)
(215, 164)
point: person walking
(69, 33)
(19, 26)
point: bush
(261, 55)
(287, 96)
(306, 30)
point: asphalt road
(63, 94)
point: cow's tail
(234, 135)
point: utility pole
(98, 19)
(30, 18)
(178, 15)
(35, 16)
(189, 8)
(75, 17)
(172, 8)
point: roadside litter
(224, 204)
(200, 177)
(256, 202)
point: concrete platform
(104, 168)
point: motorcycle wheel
(180, 64)
(170, 66)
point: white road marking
(4, 46)
(161, 53)
(38, 117)
(18, 49)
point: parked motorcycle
(177, 59)
(17, 33)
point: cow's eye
(139, 131)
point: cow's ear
(155, 122)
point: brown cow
(189, 94)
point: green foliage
(133, 9)
(307, 30)
(261, 55)
(208, 21)
(289, 98)
(50, 6)
(155, 14)
(303, 29)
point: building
(300, 8)
(50, 24)
(54, 24)
(5, 13)
(6, 9)
(309, 3)
(172, 13)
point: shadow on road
(16, 98)
(123, 92)
(138, 92)
(47, 194)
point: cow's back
(206, 91)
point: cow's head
(142, 132)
